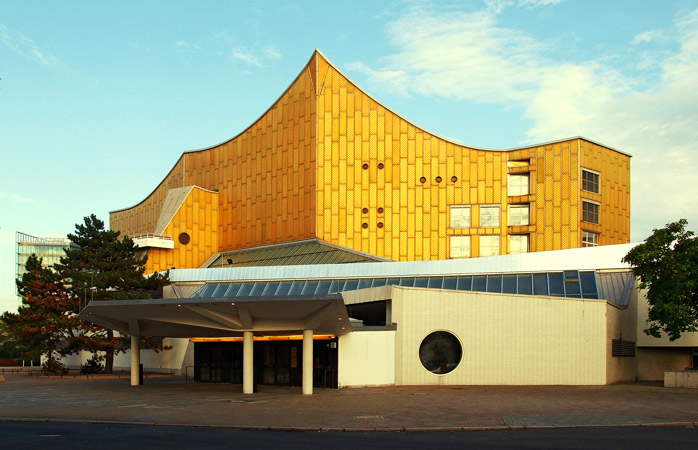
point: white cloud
(15, 198)
(256, 57)
(471, 57)
(25, 47)
(649, 36)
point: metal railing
(151, 236)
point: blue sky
(99, 99)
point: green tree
(667, 266)
(105, 267)
(46, 322)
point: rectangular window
(489, 216)
(518, 163)
(518, 215)
(489, 245)
(590, 239)
(460, 246)
(460, 216)
(517, 184)
(590, 212)
(518, 243)
(590, 181)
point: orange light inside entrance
(289, 337)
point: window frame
(528, 242)
(510, 185)
(587, 242)
(460, 207)
(499, 215)
(527, 207)
(491, 236)
(456, 238)
(594, 214)
(597, 175)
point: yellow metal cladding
(194, 229)
(265, 177)
(328, 161)
(385, 186)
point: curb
(348, 429)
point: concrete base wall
(366, 358)
(653, 362)
(681, 379)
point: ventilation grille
(623, 348)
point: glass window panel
(435, 282)
(450, 283)
(245, 289)
(489, 245)
(460, 246)
(232, 289)
(421, 282)
(518, 215)
(590, 239)
(392, 281)
(297, 287)
(364, 283)
(351, 285)
(590, 212)
(465, 283)
(571, 275)
(590, 295)
(517, 184)
(334, 287)
(556, 283)
(480, 283)
(572, 288)
(440, 352)
(489, 215)
(494, 283)
(509, 284)
(590, 181)
(220, 290)
(323, 287)
(460, 216)
(258, 288)
(518, 243)
(271, 288)
(284, 288)
(524, 284)
(377, 282)
(540, 283)
(408, 282)
(588, 280)
(208, 290)
(310, 287)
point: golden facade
(327, 161)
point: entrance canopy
(221, 317)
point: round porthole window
(440, 352)
(184, 238)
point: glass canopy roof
(568, 283)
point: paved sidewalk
(171, 401)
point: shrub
(92, 366)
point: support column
(307, 362)
(247, 363)
(135, 360)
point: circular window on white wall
(440, 352)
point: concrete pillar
(135, 360)
(247, 363)
(307, 362)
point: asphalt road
(43, 435)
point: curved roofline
(452, 141)
(305, 67)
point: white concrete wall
(506, 339)
(165, 361)
(366, 358)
